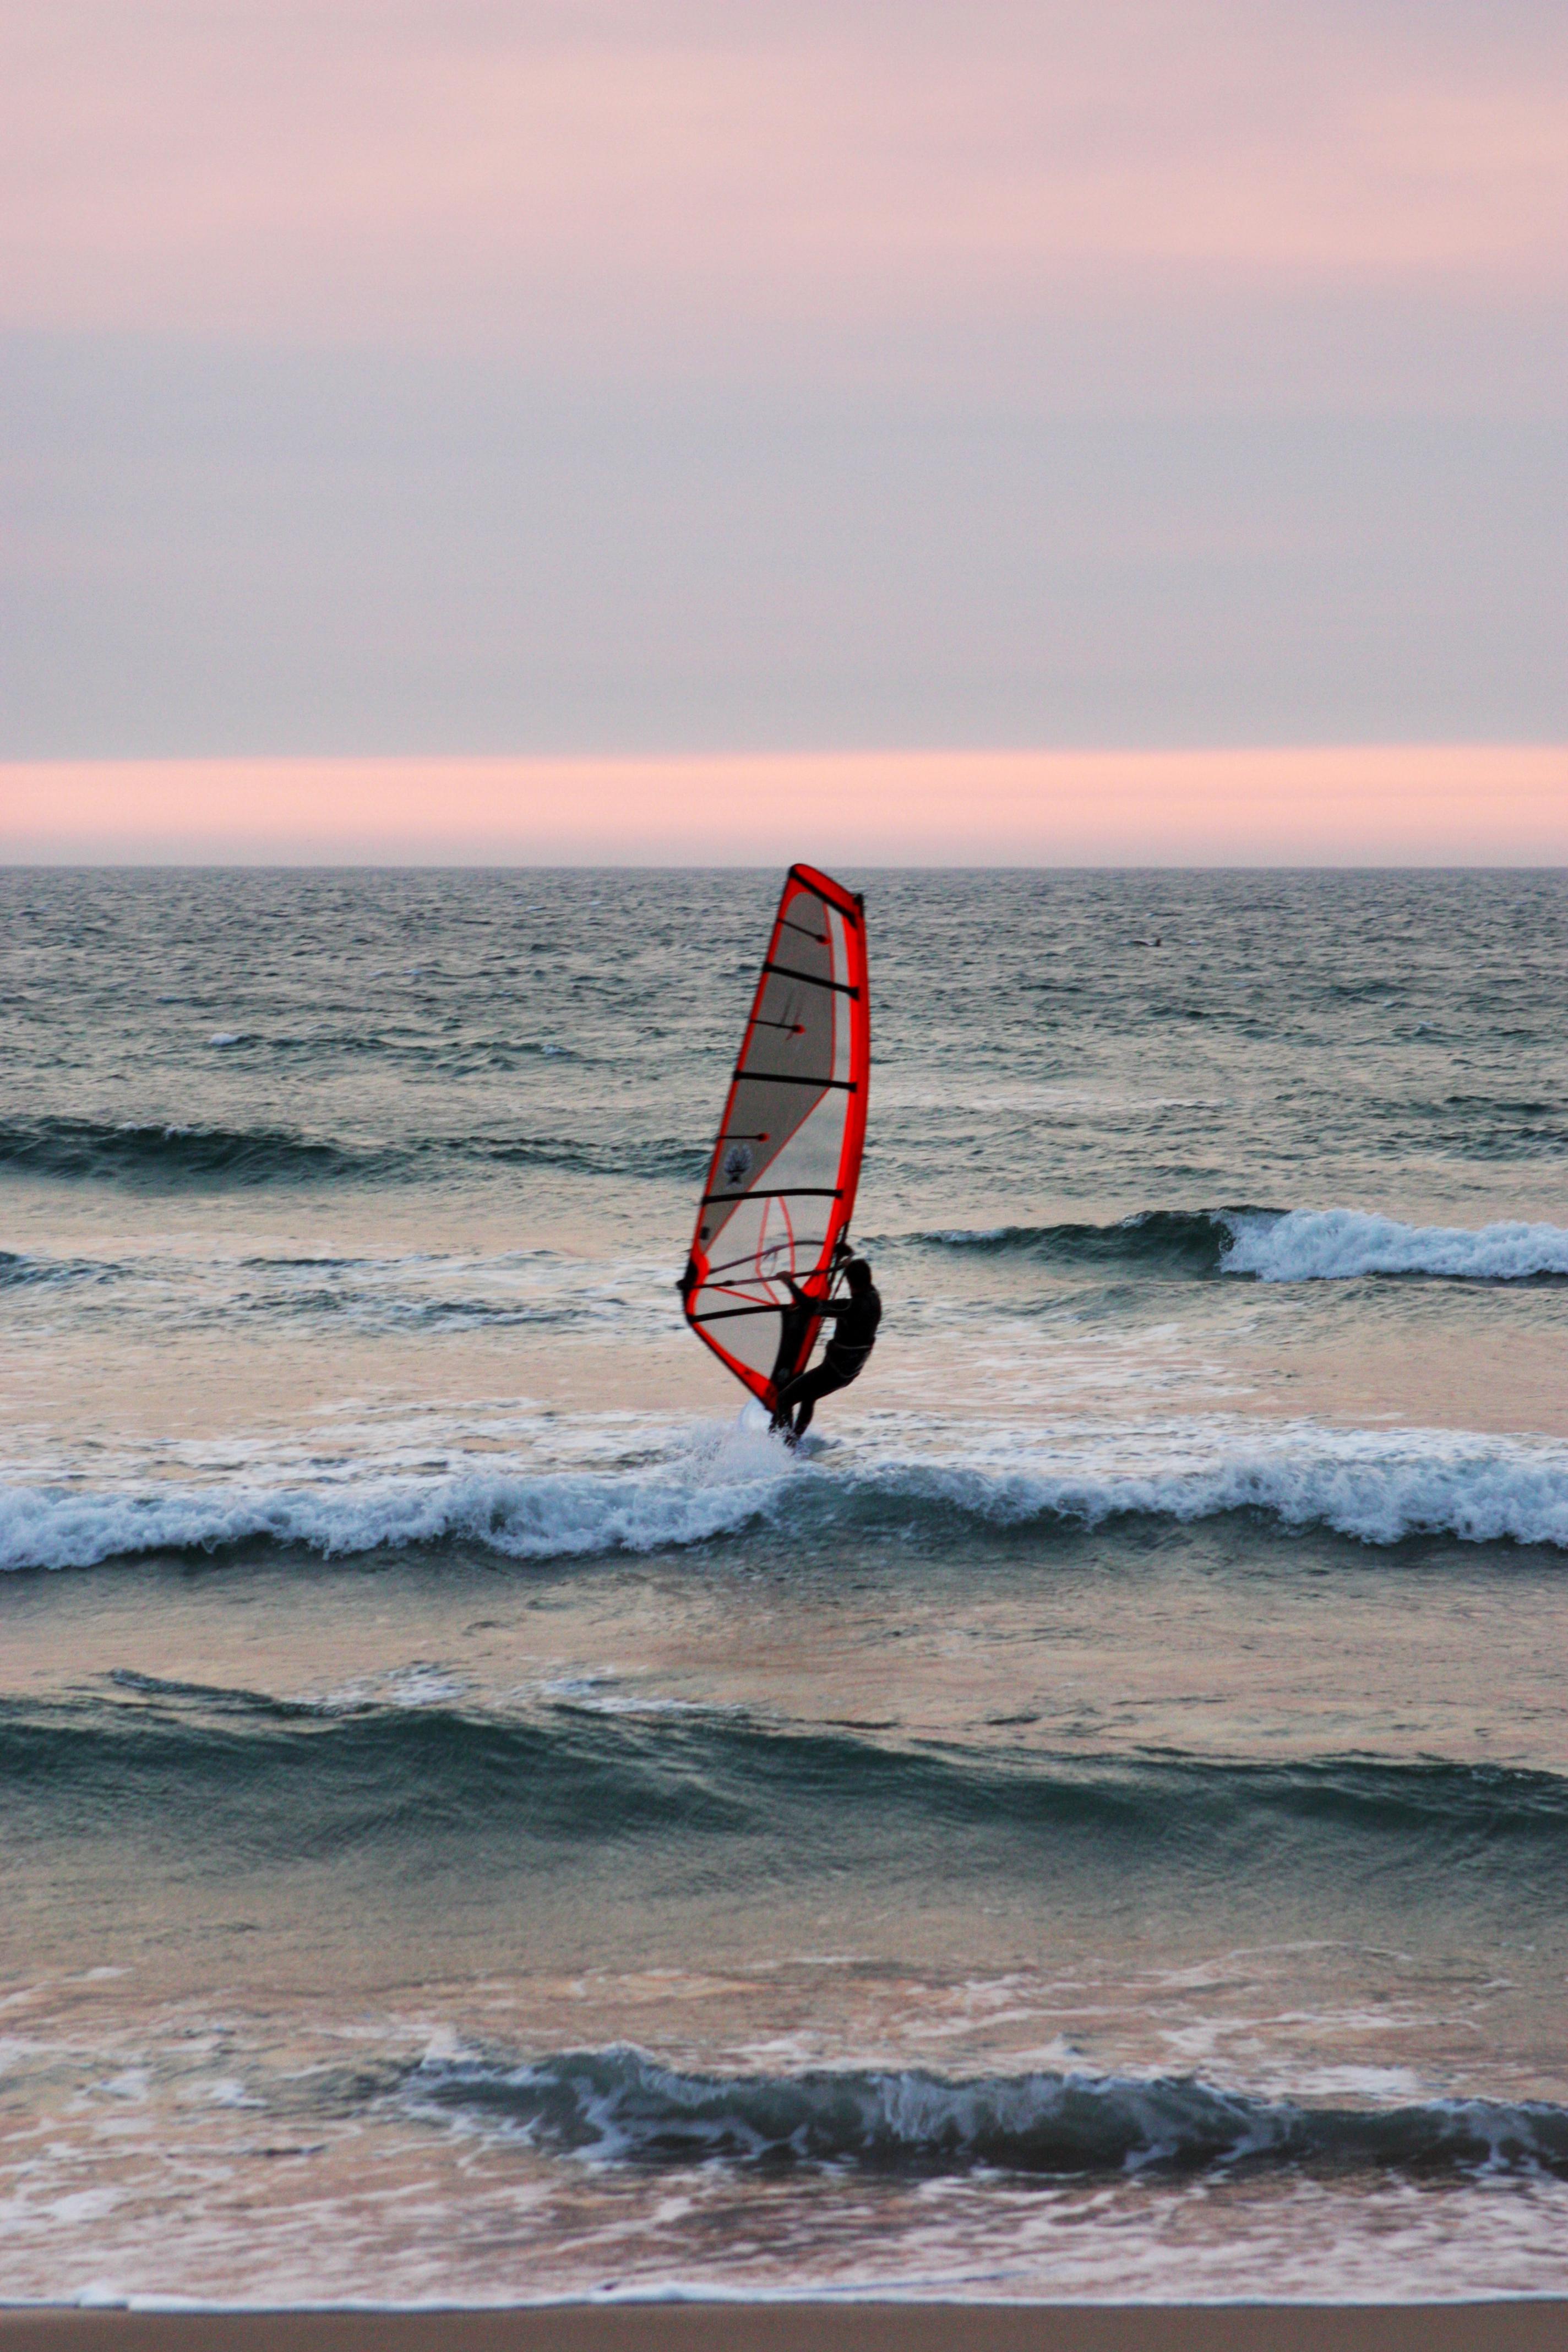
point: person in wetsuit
(854, 1319)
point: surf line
(772, 1223)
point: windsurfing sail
(780, 1189)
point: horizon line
(764, 865)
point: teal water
(482, 1822)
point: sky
(440, 381)
(1379, 804)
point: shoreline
(1502, 2324)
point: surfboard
(780, 1188)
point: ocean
(483, 1823)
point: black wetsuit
(855, 1320)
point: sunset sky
(394, 385)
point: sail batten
(780, 1188)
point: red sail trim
(850, 990)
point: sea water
(482, 1822)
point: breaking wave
(618, 2105)
(1375, 1488)
(1329, 1244)
(1281, 1245)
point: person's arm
(833, 1308)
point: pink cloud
(590, 178)
(1380, 804)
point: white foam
(718, 1483)
(1338, 1244)
(1355, 1482)
(541, 1518)
(1376, 1485)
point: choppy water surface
(481, 1822)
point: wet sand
(1531, 2326)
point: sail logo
(737, 1162)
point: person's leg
(787, 1398)
(806, 1408)
(804, 1394)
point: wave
(575, 1773)
(1377, 1489)
(619, 2105)
(1170, 1241)
(378, 1309)
(258, 1773)
(1281, 1245)
(1492, 1127)
(653, 1157)
(21, 1270)
(419, 1290)
(444, 1056)
(1340, 1245)
(153, 1154)
(548, 1515)
(173, 1155)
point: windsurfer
(854, 1319)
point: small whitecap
(131, 2083)
(228, 2092)
(425, 1685)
